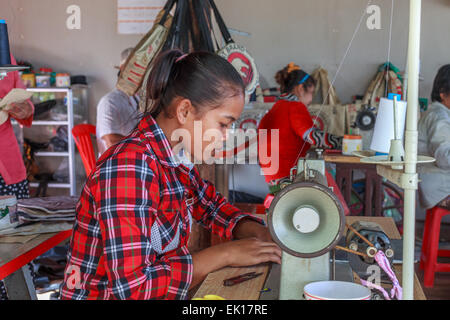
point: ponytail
(291, 76)
(202, 77)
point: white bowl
(336, 290)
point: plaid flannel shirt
(133, 222)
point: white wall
(308, 32)
(317, 32)
(39, 35)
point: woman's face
(305, 95)
(209, 129)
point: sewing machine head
(306, 219)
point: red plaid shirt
(133, 222)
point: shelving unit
(70, 154)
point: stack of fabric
(39, 215)
(50, 209)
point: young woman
(134, 215)
(434, 141)
(296, 128)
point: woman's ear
(183, 110)
(298, 90)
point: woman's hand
(238, 253)
(247, 228)
(250, 251)
(20, 111)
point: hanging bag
(377, 87)
(136, 67)
(330, 115)
(237, 55)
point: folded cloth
(15, 229)
(48, 209)
(60, 204)
(25, 218)
(30, 215)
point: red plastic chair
(82, 135)
(430, 246)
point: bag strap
(205, 41)
(184, 28)
(210, 24)
(179, 24)
(169, 44)
(167, 8)
(205, 27)
(223, 28)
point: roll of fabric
(5, 55)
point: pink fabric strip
(371, 285)
(383, 262)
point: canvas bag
(136, 67)
(237, 55)
(331, 115)
(377, 87)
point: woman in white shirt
(434, 141)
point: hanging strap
(210, 24)
(203, 20)
(185, 28)
(167, 8)
(169, 44)
(179, 23)
(221, 23)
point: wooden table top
(250, 290)
(15, 255)
(339, 158)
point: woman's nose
(225, 134)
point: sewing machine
(306, 219)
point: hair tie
(304, 79)
(181, 58)
(292, 67)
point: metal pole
(411, 137)
(72, 172)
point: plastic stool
(430, 246)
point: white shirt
(117, 113)
(434, 141)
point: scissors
(239, 279)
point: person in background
(291, 117)
(117, 114)
(12, 169)
(434, 141)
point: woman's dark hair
(441, 83)
(202, 77)
(288, 79)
